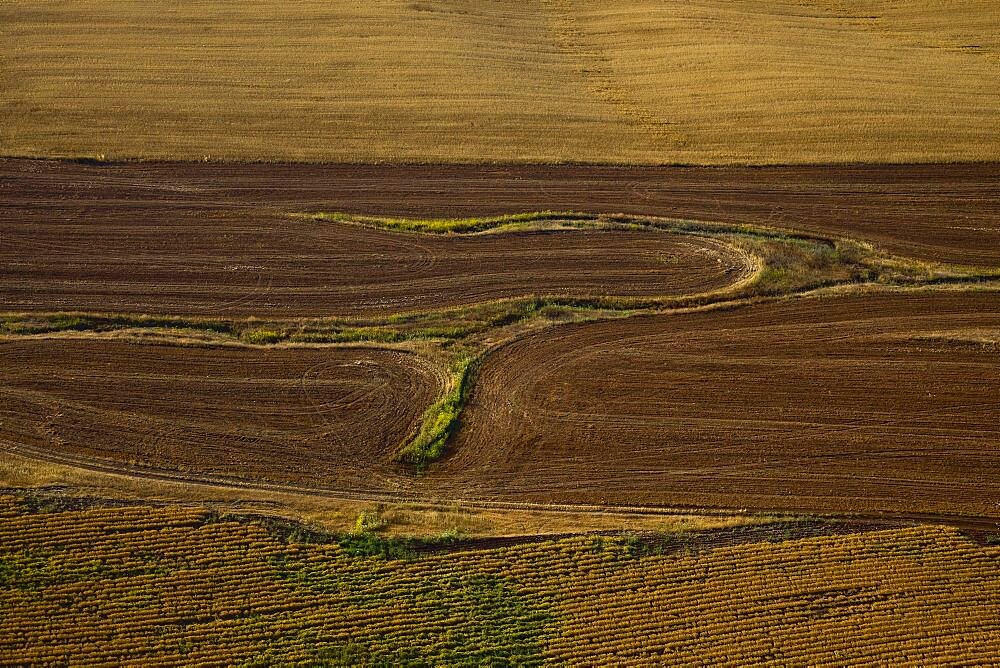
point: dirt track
(865, 403)
(936, 212)
(324, 417)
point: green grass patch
(262, 336)
(369, 543)
(791, 265)
(351, 335)
(58, 322)
(44, 323)
(439, 421)
(453, 225)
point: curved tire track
(226, 413)
(841, 404)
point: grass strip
(441, 420)
(453, 225)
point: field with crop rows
(163, 585)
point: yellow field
(166, 585)
(705, 81)
(401, 518)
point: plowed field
(329, 416)
(130, 257)
(792, 405)
(935, 212)
(277, 266)
(861, 403)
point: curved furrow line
(865, 407)
(220, 412)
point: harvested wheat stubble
(935, 212)
(882, 402)
(640, 81)
(330, 416)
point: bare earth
(233, 264)
(330, 416)
(933, 212)
(861, 403)
(857, 403)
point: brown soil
(850, 404)
(103, 246)
(935, 212)
(327, 416)
(883, 402)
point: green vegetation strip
(453, 225)
(441, 420)
(788, 263)
(520, 221)
(28, 324)
(445, 325)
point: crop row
(170, 584)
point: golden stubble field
(701, 81)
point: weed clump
(439, 421)
(452, 225)
(370, 521)
(262, 336)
